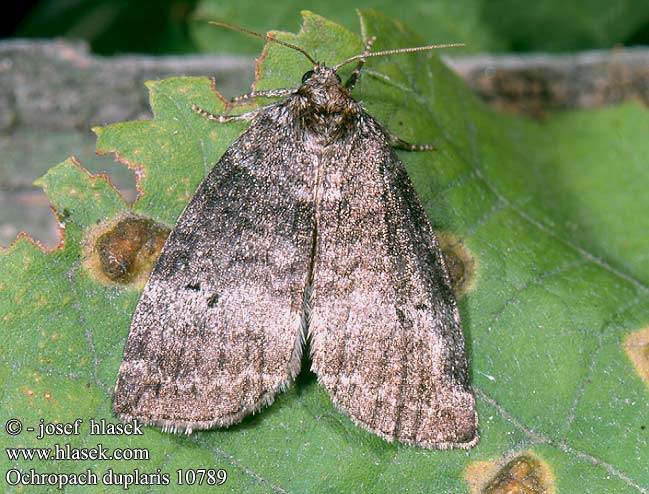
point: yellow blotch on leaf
(123, 250)
(460, 263)
(636, 346)
(525, 473)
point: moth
(307, 233)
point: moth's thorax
(324, 104)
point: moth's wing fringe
(386, 338)
(219, 328)
(391, 438)
(187, 427)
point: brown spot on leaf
(459, 263)
(525, 473)
(636, 346)
(123, 250)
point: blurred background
(179, 26)
(52, 92)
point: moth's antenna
(392, 52)
(265, 36)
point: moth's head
(323, 89)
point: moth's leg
(271, 93)
(247, 116)
(353, 78)
(397, 142)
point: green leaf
(553, 213)
(446, 21)
(180, 26)
(550, 25)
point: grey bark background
(53, 92)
